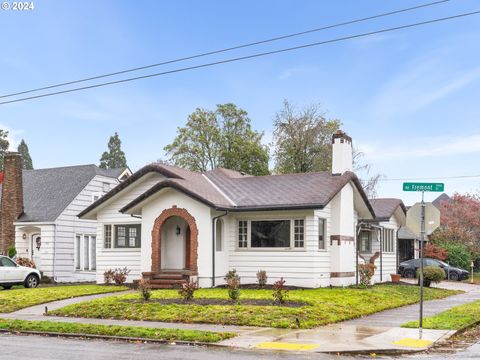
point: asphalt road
(13, 347)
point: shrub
(280, 292)
(188, 289)
(233, 286)
(120, 275)
(22, 261)
(231, 274)
(108, 276)
(145, 289)
(431, 274)
(458, 255)
(262, 278)
(366, 272)
(435, 252)
(11, 252)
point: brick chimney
(12, 199)
(342, 153)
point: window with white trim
(388, 240)
(85, 252)
(365, 241)
(107, 236)
(322, 231)
(271, 234)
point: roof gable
(385, 208)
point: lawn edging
(96, 331)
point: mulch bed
(203, 302)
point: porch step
(168, 276)
(166, 283)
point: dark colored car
(408, 269)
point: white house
(39, 216)
(168, 224)
(379, 238)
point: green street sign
(437, 187)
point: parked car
(13, 274)
(408, 269)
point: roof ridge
(63, 167)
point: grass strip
(324, 306)
(13, 300)
(456, 318)
(115, 331)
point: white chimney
(341, 153)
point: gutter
(214, 219)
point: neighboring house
(443, 198)
(39, 216)
(408, 244)
(168, 224)
(378, 237)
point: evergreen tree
(114, 157)
(4, 144)
(26, 158)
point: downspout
(382, 234)
(54, 251)
(213, 245)
(359, 226)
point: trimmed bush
(233, 286)
(145, 289)
(120, 275)
(11, 252)
(262, 278)
(188, 289)
(280, 292)
(108, 276)
(431, 274)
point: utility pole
(422, 239)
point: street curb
(110, 337)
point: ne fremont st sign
(437, 187)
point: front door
(173, 244)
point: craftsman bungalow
(168, 224)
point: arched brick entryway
(191, 239)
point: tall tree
(220, 138)
(114, 157)
(303, 139)
(4, 144)
(26, 158)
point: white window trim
(82, 252)
(222, 234)
(388, 242)
(291, 248)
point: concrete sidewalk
(374, 333)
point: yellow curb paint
(414, 343)
(286, 346)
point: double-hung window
(275, 234)
(122, 236)
(85, 252)
(365, 241)
(322, 232)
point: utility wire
(432, 178)
(282, 37)
(246, 57)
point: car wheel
(7, 287)
(31, 281)
(454, 276)
(409, 274)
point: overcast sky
(410, 98)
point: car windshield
(442, 262)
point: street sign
(436, 187)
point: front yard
(314, 307)
(13, 300)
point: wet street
(15, 347)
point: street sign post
(430, 187)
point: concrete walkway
(373, 333)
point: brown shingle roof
(225, 189)
(385, 207)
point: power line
(245, 57)
(282, 37)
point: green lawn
(118, 331)
(13, 300)
(457, 318)
(324, 306)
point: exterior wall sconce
(178, 230)
(24, 236)
(38, 241)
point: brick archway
(191, 238)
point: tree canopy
(4, 144)
(219, 138)
(303, 139)
(27, 163)
(114, 157)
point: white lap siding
(68, 226)
(109, 214)
(307, 267)
(388, 263)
